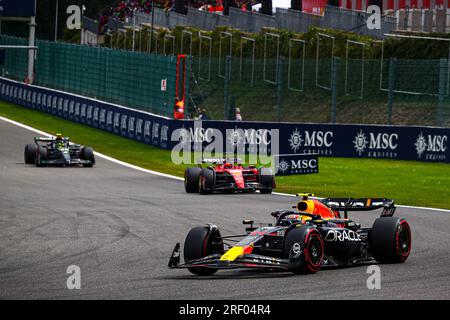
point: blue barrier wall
(356, 141)
(339, 140)
(129, 123)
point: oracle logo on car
(342, 235)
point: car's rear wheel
(304, 248)
(207, 180)
(191, 179)
(390, 240)
(201, 242)
(267, 180)
(30, 153)
(87, 154)
(41, 156)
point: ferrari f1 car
(58, 151)
(228, 175)
(301, 241)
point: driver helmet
(59, 143)
(228, 165)
(294, 218)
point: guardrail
(333, 140)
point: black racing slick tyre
(304, 248)
(390, 240)
(266, 179)
(41, 155)
(207, 181)
(30, 153)
(87, 153)
(201, 242)
(191, 179)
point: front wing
(60, 161)
(231, 186)
(213, 261)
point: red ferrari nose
(238, 178)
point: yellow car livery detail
(232, 254)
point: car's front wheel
(201, 242)
(207, 181)
(30, 153)
(41, 156)
(191, 179)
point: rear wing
(220, 160)
(212, 160)
(362, 204)
(45, 139)
(41, 139)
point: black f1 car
(301, 241)
(228, 175)
(58, 151)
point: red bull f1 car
(58, 151)
(228, 175)
(317, 234)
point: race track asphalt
(120, 225)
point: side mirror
(251, 228)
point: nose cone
(232, 254)
(66, 156)
(238, 178)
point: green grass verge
(408, 182)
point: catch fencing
(330, 89)
(320, 79)
(292, 20)
(119, 76)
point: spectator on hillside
(203, 115)
(198, 113)
(238, 114)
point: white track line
(424, 208)
(131, 166)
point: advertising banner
(16, 8)
(324, 140)
(294, 164)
